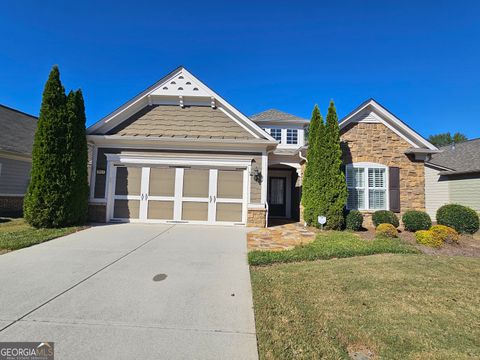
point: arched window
(367, 185)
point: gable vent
(188, 83)
(180, 88)
(173, 83)
(195, 89)
(181, 77)
(165, 88)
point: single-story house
(16, 141)
(180, 153)
(453, 176)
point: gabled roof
(370, 111)
(17, 131)
(274, 115)
(463, 157)
(180, 88)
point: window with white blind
(367, 187)
(276, 134)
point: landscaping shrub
(387, 230)
(354, 220)
(414, 220)
(428, 238)
(461, 218)
(447, 234)
(385, 217)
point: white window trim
(366, 166)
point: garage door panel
(231, 212)
(196, 183)
(162, 182)
(128, 181)
(230, 184)
(126, 209)
(194, 211)
(160, 210)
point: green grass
(16, 234)
(392, 306)
(331, 245)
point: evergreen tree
(310, 185)
(334, 193)
(76, 157)
(45, 201)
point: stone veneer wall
(256, 218)
(97, 212)
(11, 205)
(374, 142)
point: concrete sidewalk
(93, 293)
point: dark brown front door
(277, 196)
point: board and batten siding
(14, 176)
(465, 190)
(453, 189)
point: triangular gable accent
(371, 111)
(179, 87)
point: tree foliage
(324, 187)
(446, 139)
(334, 188)
(58, 178)
(311, 185)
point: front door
(277, 196)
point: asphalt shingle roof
(17, 130)
(275, 115)
(463, 157)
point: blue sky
(420, 59)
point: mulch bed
(469, 245)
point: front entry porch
(284, 194)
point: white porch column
(263, 197)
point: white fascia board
(392, 122)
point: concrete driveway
(93, 293)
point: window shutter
(394, 188)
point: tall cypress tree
(334, 195)
(45, 201)
(311, 179)
(77, 157)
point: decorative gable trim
(181, 88)
(372, 112)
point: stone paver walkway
(282, 237)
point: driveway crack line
(86, 278)
(141, 326)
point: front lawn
(16, 234)
(332, 244)
(383, 306)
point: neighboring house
(453, 176)
(16, 140)
(179, 153)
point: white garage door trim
(145, 163)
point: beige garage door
(194, 194)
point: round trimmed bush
(428, 238)
(385, 217)
(461, 218)
(354, 220)
(447, 234)
(414, 220)
(387, 230)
